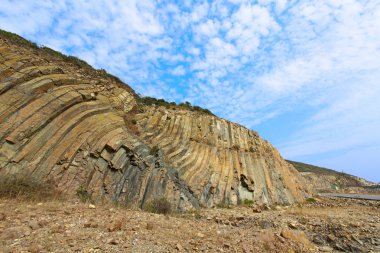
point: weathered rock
(326, 249)
(221, 162)
(149, 226)
(179, 247)
(200, 235)
(34, 248)
(265, 224)
(33, 224)
(298, 237)
(67, 124)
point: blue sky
(304, 74)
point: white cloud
(178, 71)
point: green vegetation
(154, 150)
(28, 189)
(311, 200)
(158, 205)
(66, 58)
(172, 105)
(304, 167)
(246, 202)
(16, 39)
(83, 194)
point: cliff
(81, 129)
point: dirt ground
(327, 225)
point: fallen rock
(278, 208)
(326, 249)
(179, 247)
(293, 225)
(149, 225)
(298, 237)
(331, 238)
(265, 224)
(357, 240)
(33, 224)
(200, 235)
(90, 225)
(35, 248)
(113, 241)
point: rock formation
(81, 129)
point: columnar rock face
(222, 162)
(81, 130)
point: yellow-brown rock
(70, 125)
(221, 162)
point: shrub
(83, 194)
(246, 202)
(154, 150)
(17, 39)
(159, 205)
(67, 58)
(311, 200)
(161, 102)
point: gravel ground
(327, 225)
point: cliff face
(219, 160)
(82, 130)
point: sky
(304, 74)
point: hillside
(304, 167)
(88, 134)
(324, 179)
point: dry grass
(28, 189)
(159, 205)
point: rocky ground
(328, 225)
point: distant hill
(324, 179)
(304, 167)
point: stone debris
(318, 229)
(179, 247)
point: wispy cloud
(249, 62)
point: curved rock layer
(61, 124)
(221, 162)
(58, 124)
